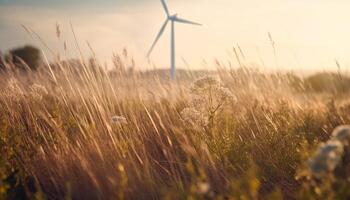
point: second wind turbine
(172, 18)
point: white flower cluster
(203, 187)
(37, 91)
(13, 86)
(342, 134)
(326, 159)
(329, 155)
(208, 97)
(119, 120)
(194, 117)
(13, 90)
(211, 87)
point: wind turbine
(172, 18)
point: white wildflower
(38, 88)
(37, 91)
(326, 159)
(211, 87)
(13, 90)
(203, 84)
(13, 87)
(226, 95)
(194, 117)
(208, 98)
(119, 120)
(342, 134)
(203, 187)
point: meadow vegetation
(71, 129)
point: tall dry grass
(74, 130)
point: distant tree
(27, 56)
(2, 64)
(327, 82)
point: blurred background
(307, 35)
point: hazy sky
(309, 34)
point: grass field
(73, 130)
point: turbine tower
(172, 18)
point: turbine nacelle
(172, 17)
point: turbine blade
(184, 21)
(158, 36)
(165, 7)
